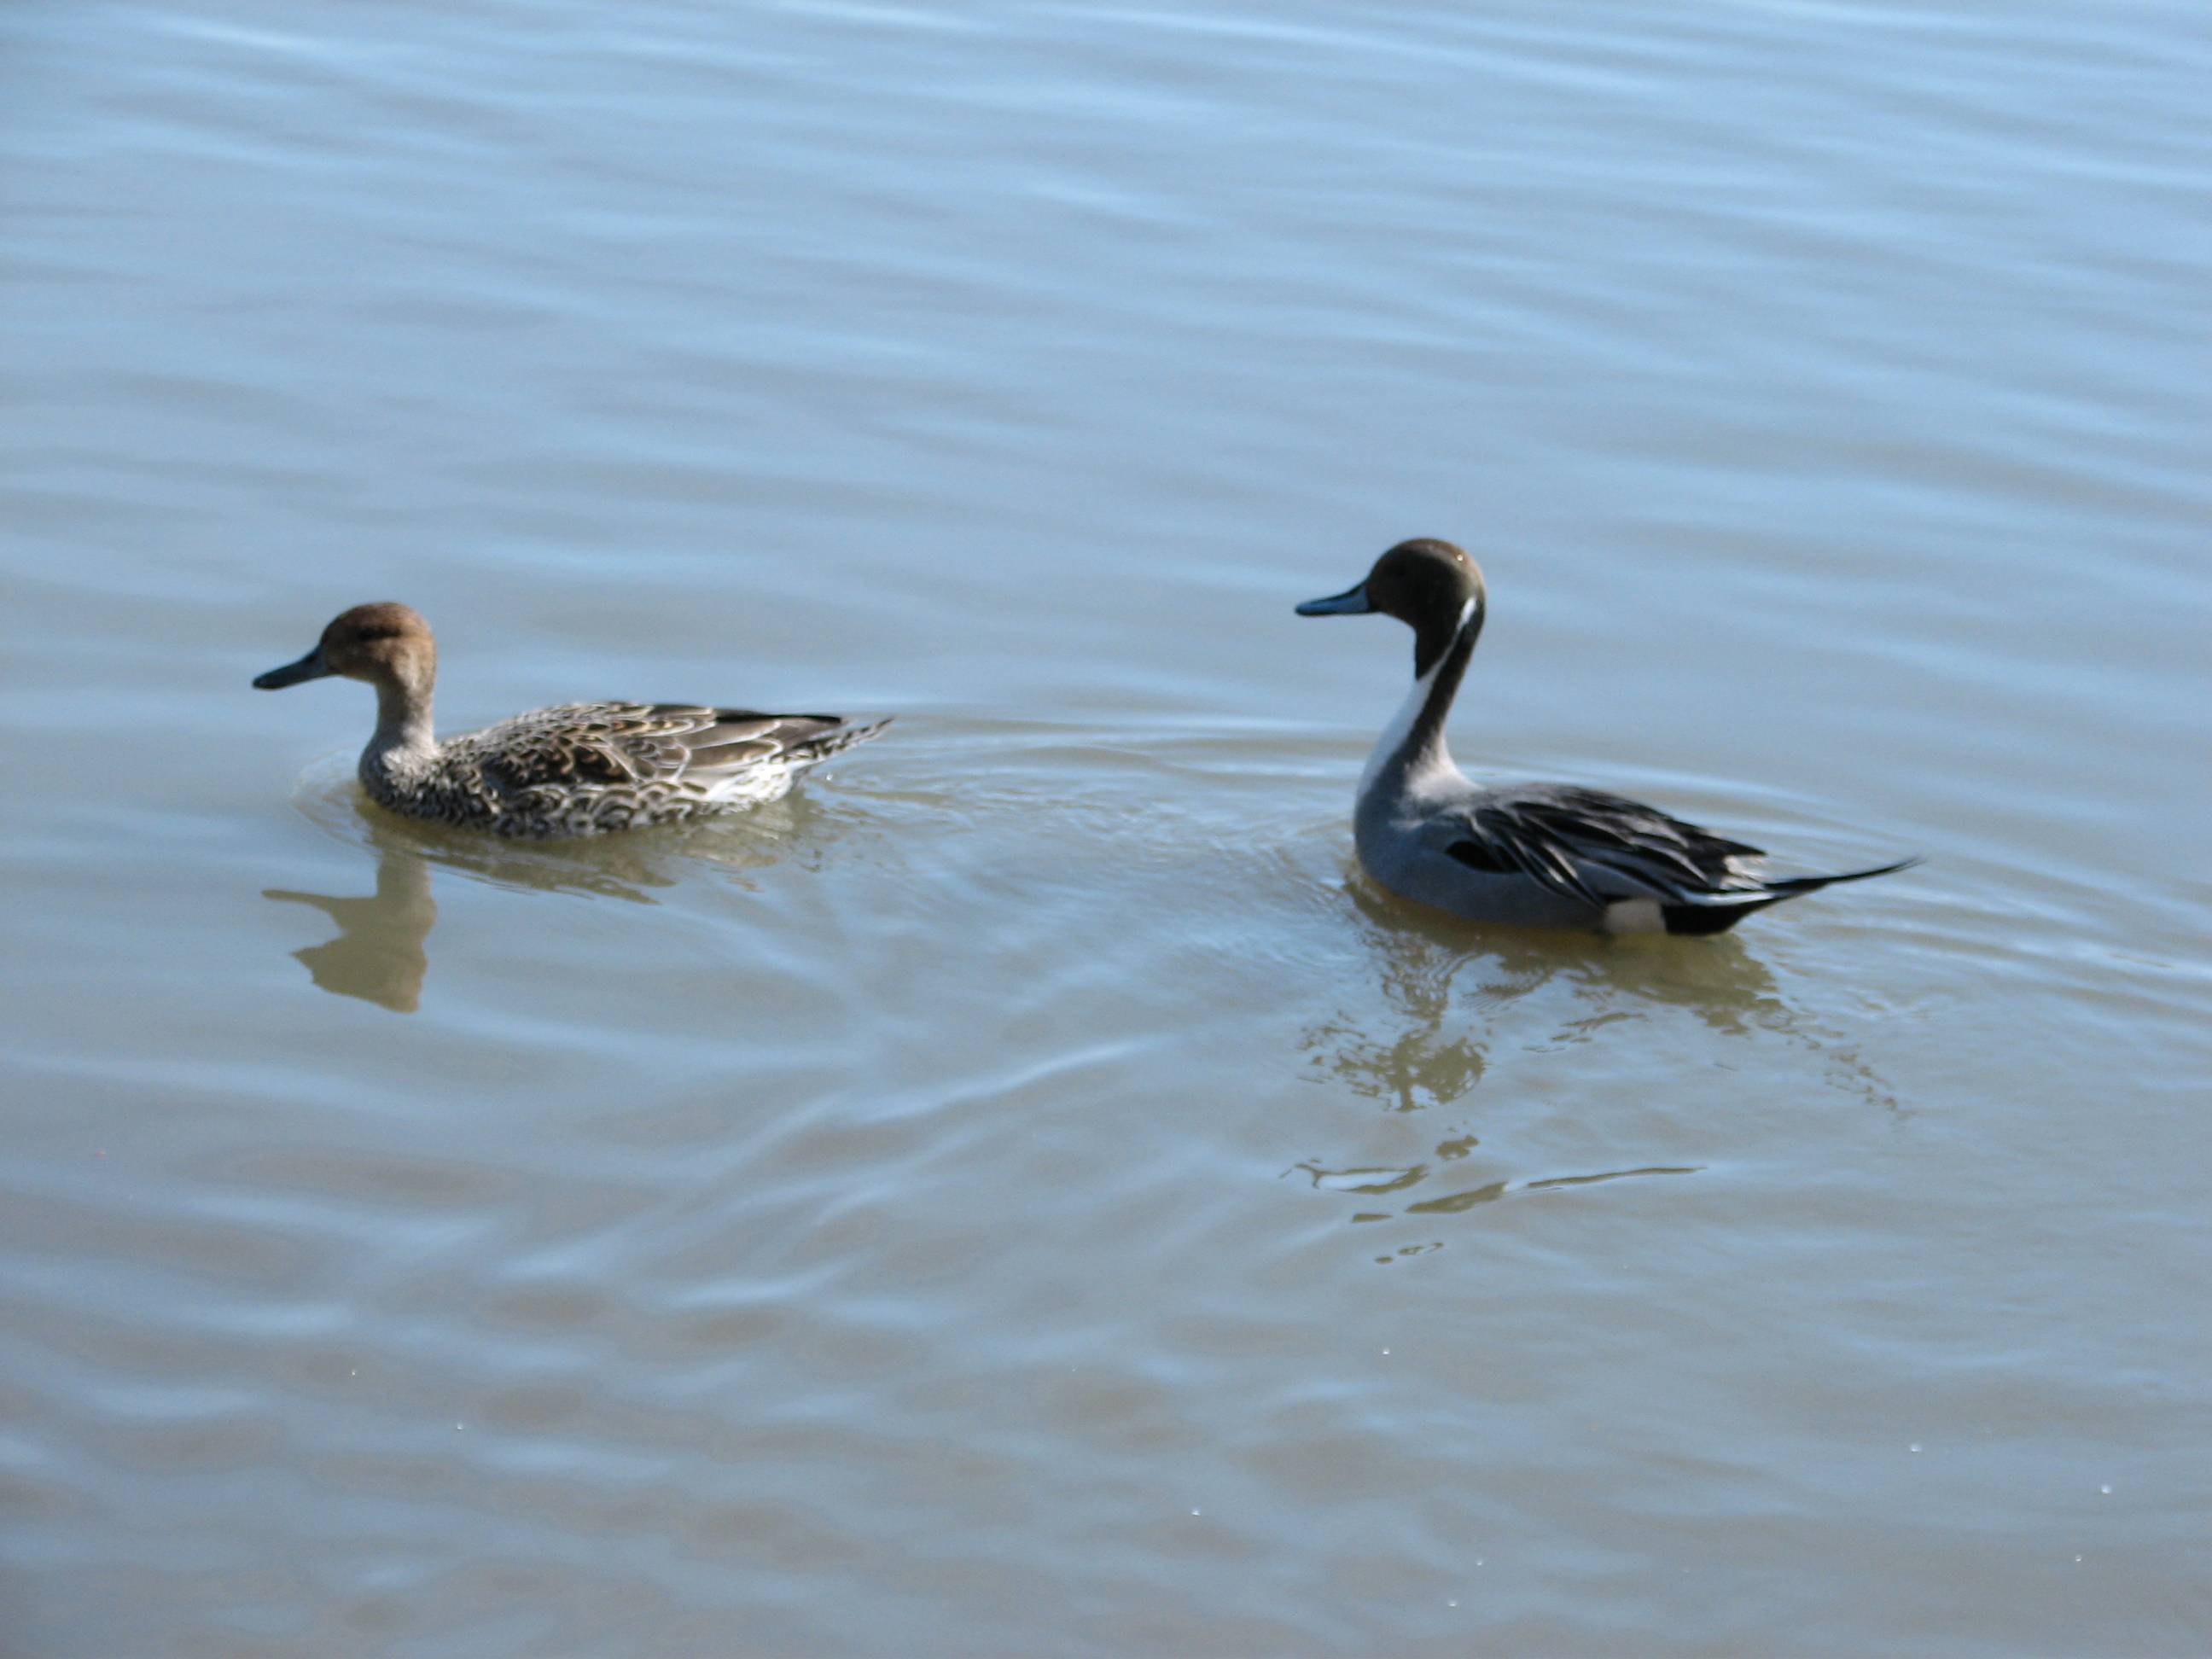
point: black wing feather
(1555, 835)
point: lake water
(1026, 1193)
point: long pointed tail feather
(1791, 886)
(1718, 918)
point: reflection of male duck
(378, 954)
(1425, 957)
(1449, 987)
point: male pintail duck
(578, 769)
(1537, 855)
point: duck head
(387, 645)
(1431, 585)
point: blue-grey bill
(1353, 602)
(309, 667)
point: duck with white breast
(1536, 854)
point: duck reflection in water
(1427, 960)
(381, 954)
(1452, 991)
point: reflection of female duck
(378, 955)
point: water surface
(1026, 1193)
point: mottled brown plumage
(578, 769)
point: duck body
(1529, 854)
(579, 769)
(583, 768)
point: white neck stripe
(1409, 712)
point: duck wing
(1597, 848)
(630, 744)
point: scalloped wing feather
(613, 744)
(580, 767)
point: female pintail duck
(578, 769)
(1535, 854)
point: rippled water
(1026, 1193)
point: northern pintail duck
(1534, 853)
(577, 769)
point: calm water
(1026, 1195)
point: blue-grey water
(1026, 1193)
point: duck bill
(309, 667)
(1353, 602)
